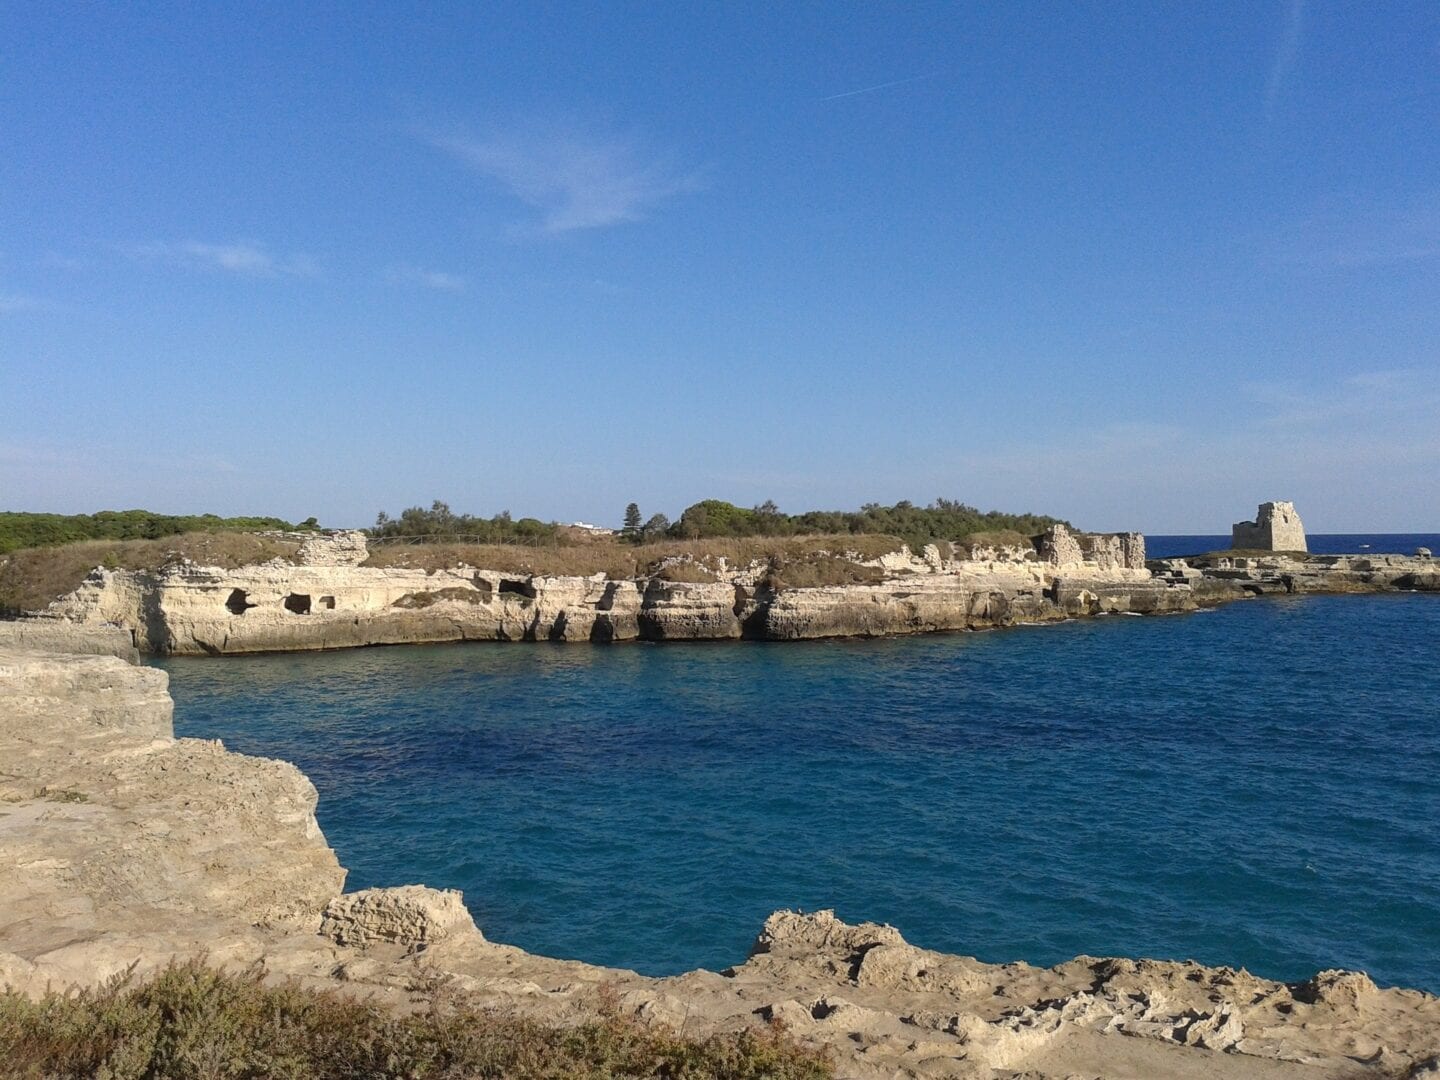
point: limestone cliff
(328, 600)
(121, 845)
(119, 842)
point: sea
(1169, 547)
(1256, 785)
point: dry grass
(33, 577)
(191, 1021)
(618, 560)
(685, 572)
(613, 560)
(818, 571)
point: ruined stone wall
(1058, 546)
(346, 548)
(1276, 527)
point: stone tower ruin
(1276, 528)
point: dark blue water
(1169, 547)
(1257, 785)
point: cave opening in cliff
(328, 603)
(238, 602)
(518, 588)
(299, 603)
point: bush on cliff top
(942, 520)
(23, 530)
(192, 1021)
(715, 519)
(441, 523)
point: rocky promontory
(1226, 574)
(329, 592)
(121, 845)
(328, 596)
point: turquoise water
(1257, 785)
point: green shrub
(440, 523)
(24, 530)
(942, 520)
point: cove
(1254, 785)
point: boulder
(412, 915)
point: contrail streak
(879, 86)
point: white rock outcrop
(411, 915)
(120, 843)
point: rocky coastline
(121, 845)
(325, 598)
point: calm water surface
(1168, 547)
(1257, 785)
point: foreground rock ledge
(121, 845)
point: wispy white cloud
(1380, 402)
(246, 258)
(1353, 232)
(13, 302)
(879, 86)
(55, 260)
(406, 274)
(575, 179)
(1287, 51)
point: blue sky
(1140, 266)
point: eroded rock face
(61, 635)
(411, 915)
(115, 836)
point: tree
(632, 522)
(768, 518)
(692, 523)
(655, 528)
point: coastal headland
(121, 845)
(336, 590)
